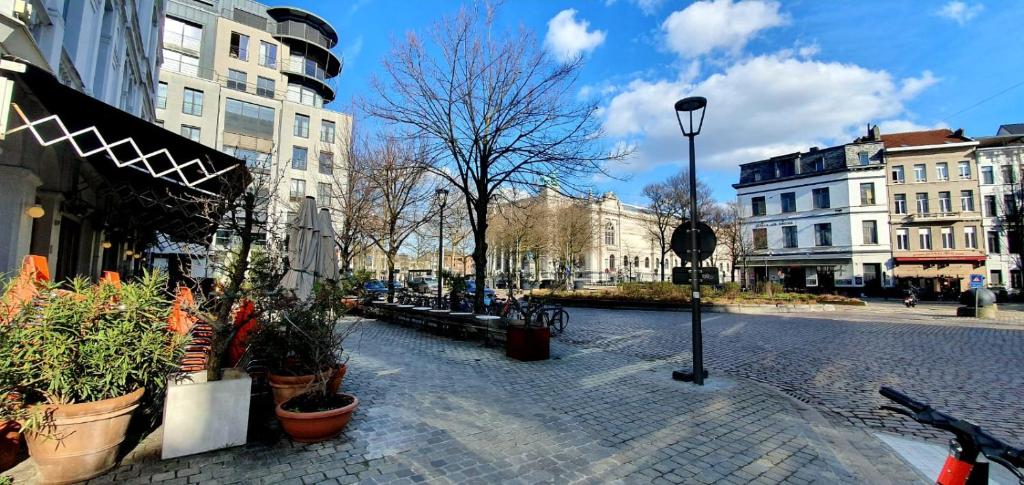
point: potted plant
(80, 362)
(305, 339)
(528, 339)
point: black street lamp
(686, 107)
(442, 194)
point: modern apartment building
(935, 200)
(999, 160)
(252, 81)
(818, 220)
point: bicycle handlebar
(970, 435)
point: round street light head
(35, 211)
(693, 103)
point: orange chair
(34, 272)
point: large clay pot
(287, 387)
(83, 440)
(528, 343)
(318, 426)
(10, 444)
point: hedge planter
(82, 439)
(306, 424)
(287, 387)
(528, 343)
(201, 415)
(10, 444)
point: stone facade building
(936, 222)
(999, 160)
(817, 220)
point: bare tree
(729, 230)
(403, 196)
(496, 109)
(677, 191)
(664, 218)
(352, 200)
(573, 234)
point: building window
(924, 238)
(789, 239)
(900, 203)
(1015, 279)
(864, 158)
(182, 35)
(636, 261)
(236, 80)
(192, 102)
(301, 126)
(757, 206)
(945, 203)
(788, 201)
(254, 160)
(761, 238)
(161, 95)
(323, 192)
(821, 198)
(304, 95)
(967, 200)
(897, 175)
(919, 173)
(611, 261)
(823, 234)
(942, 171)
(970, 238)
(964, 167)
(326, 131)
(222, 237)
(178, 62)
(870, 229)
(190, 132)
(867, 193)
(326, 163)
(987, 178)
(993, 242)
(298, 189)
(819, 165)
(239, 46)
(1006, 174)
(299, 155)
(647, 262)
(268, 55)
(922, 203)
(1010, 205)
(995, 277)
(990, 206)
(902, 239)
(264, 87)
(609, 234)
(249, 119)
(946, 234)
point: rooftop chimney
(959, 132)
(875, 134)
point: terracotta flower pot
(287, 387)
(316, 426)
(10, 444)
(83, 440)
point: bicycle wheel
(560, 320)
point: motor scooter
(910, 300)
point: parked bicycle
(962, 466)
(534, 312)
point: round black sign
(706, 241)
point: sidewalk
(443, 411)
(1008, 313)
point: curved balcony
(312, 77)
(304, 25)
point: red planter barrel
(528, 343)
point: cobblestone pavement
(837, 361)
(443, 411)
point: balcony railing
(306, 67)
(304, 31)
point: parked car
(489, 294)
(375, 287)
(423, 285)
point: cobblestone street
(444, 411)
(836, 361)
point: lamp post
(443, 195)
(687, 107)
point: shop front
(936, 277)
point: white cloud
(960, 12)
(568, 38)
(706, 26)
(758, 108)
(648, 7)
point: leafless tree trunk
(663, 217)
(352, 200)
(403, 196)
(730, 234)
(496, 111)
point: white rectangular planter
(201, 416)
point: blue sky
(779, 76)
